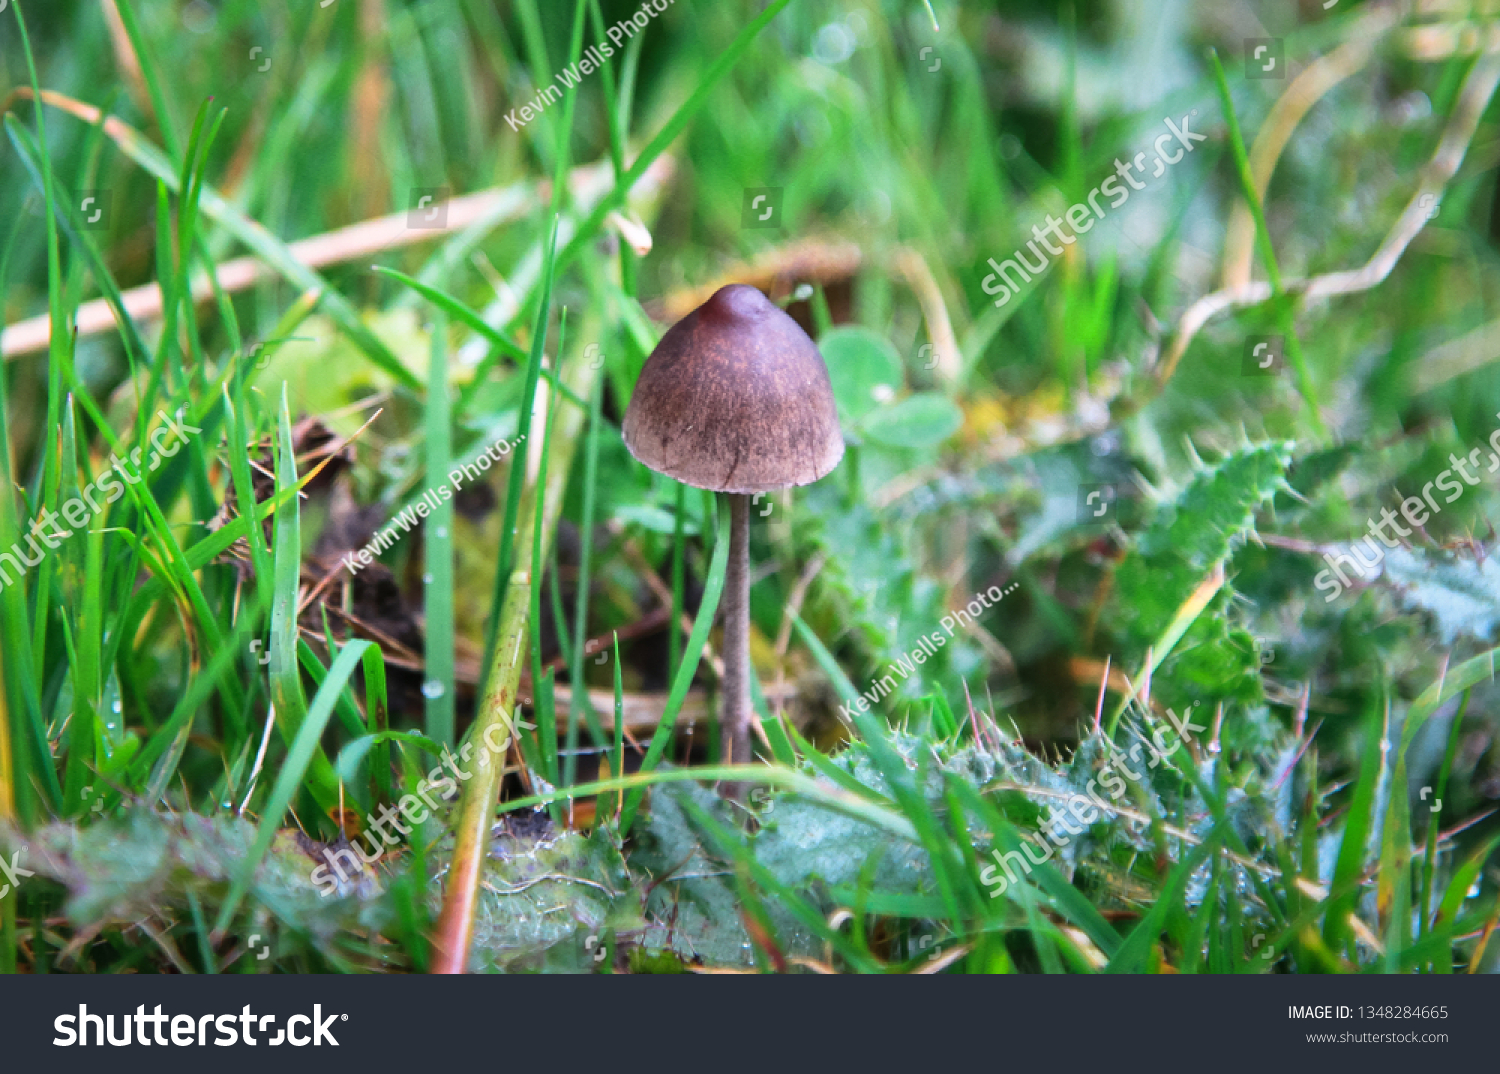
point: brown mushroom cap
(735, 398)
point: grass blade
(304, 749)
(713, 588)
(438, 653)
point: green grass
(192, 672)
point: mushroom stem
(734, 722)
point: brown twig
(643, 712)
(774, 272)
(125, 58)
(1306, 90)
(1478, 87)
(494, 207)
(918, 274)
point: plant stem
(735, 721)
(476, 811)
(495, 723)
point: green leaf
(864, 368)
(1361, 820)
(285, 670)
(1461, 595)
(1453, 899)
(1190, 533)
(713, 587)
(922, 420)
(303, 750)
(437, 541)
(1470, 673)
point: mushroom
(735, 399)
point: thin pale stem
(735, 721)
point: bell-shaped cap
(735, 398)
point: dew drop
(442, 531)
(834, 44)
(198, 17)
(432, 689)
(427, 579)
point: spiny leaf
(1189, 534)
(1461, 595)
